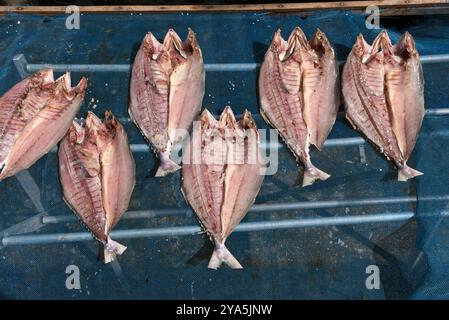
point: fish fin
(112, 249)
(312, 174)
(220, 255)
(166, 167)
(406, 173)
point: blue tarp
(326, 262)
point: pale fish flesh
(222, 175)
(383, 89)
(97, 174)
(166, 92)
(300, 95)
(34, 115)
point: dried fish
(167, 89)
(222, 175)
(97, 174)
(34, 115)
(383, 89)
(299, 94)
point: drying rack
(21, 233)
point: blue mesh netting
(324, 262)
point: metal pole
(189, 230)
(24, 68)
(261, 208)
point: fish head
(249, 139)
(278, 44)
(249, 127)
(97, 133)
(296, 41)
(110, 122)
(78, 135)
(42, 78)
(406, 47)
(321, 45)
(76, 132)
(151, 46)
(207, 120)
(154, 50)
(366, 52)
(208, 142)
(247, 121)
(383, 43)
(230, 132)
(227, 119)
(113, 129)
(361, 47)
(174, 46)
(192, 43)
(63, 90)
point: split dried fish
(299, 94)
(167, 89)
(34, 115)
(222, 175)
(383, 89)
(97, 174)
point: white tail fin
(221, 254)
(112, 249)
(167, 166)
(311, 174)
(405, 173)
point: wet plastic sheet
(360, 217)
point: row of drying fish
(382, 90)
(299, 96)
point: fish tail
(112, 249)
(311, 174)
(221, 254)
(405, 173)
(167, 166)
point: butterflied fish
(383, 91)
(97, 174)
(34, 115)
(299, 94)
(167, 89)
(222, 175)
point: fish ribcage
(374, 116)
(16, 110)
(151, 108)
(208, 195)
(86, 198)
(285, 112)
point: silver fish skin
(166, 92)
(299, 94)
(222, 175)
(34, 115)
(97, 173)
(384, 99)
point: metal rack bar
(24, 68)
(189, 230)
(261, 208)
(337, 142)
